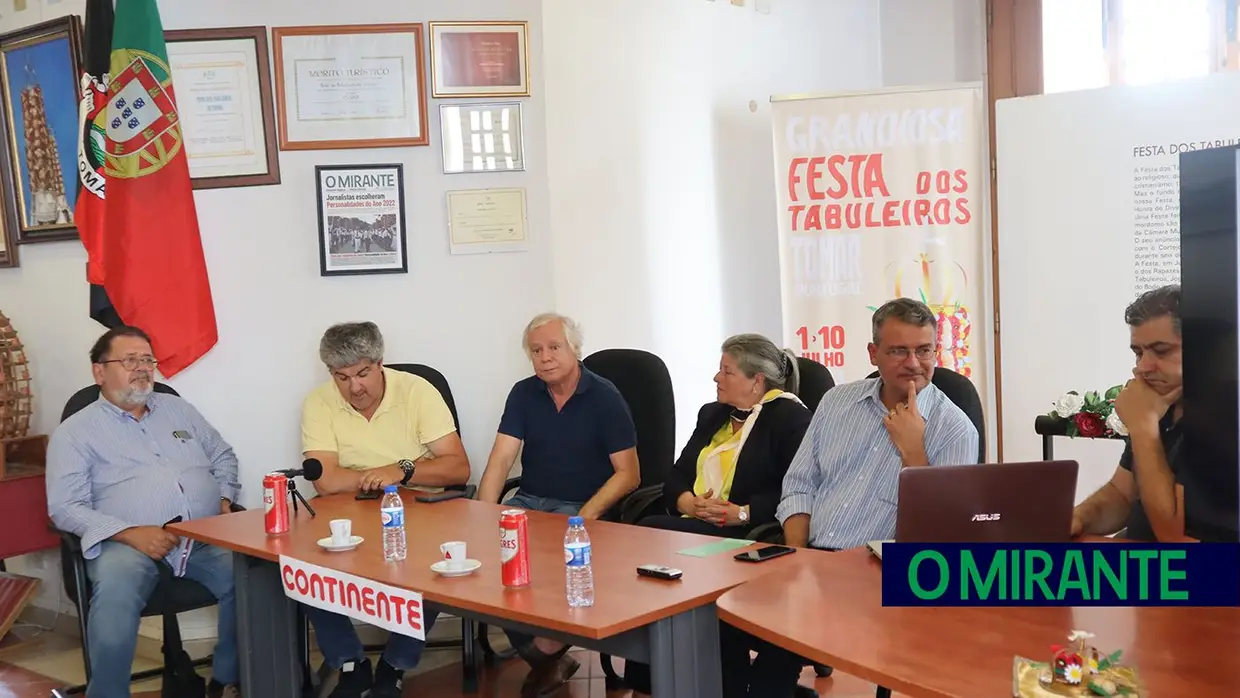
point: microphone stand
(292, 490)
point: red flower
(1088, 424)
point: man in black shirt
(1155, 492)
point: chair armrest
(633, 507)
(69, 540)
(769, 532)
(511, 485)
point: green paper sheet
(719, 546)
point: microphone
(311, 470)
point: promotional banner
(397, 610)
(881, 196)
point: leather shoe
(549, 676)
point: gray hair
(756, 354)
(1153, 304)
(350, 343)
(906, 310)
(572, 331)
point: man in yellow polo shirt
(371, 427)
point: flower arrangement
(1091, 415)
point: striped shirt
(846, 473)
(107, 471)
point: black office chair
(646, 385)
(816, 380)
(963, 393)
(172, 595)
(468, 642)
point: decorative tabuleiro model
(15, 396)
(1076, 669)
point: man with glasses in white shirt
(117, 471)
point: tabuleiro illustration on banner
(881, 196)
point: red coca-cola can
(275, 503)
(514, 548)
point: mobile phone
(764, 554)
(659, 572)
(440, 497)
(369, 494)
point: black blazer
(759, 477)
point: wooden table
(670, 625)
(830, 610)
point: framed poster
(223, 84)
(481, 137)
(361, 219)
(352, 86)
(40, 67)
(480, 59)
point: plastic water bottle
(393, 512)
(578, 574)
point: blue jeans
(122, 580)
(524, 500)
(339, 643)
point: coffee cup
(342, 531)
(453, 554)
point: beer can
(275, 503)
(514, 548)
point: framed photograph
(8, 242)
(361, 219)
(223, 85)
(480, 59)
(40, 67)
(481, 137)
(353, 86)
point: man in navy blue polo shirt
(578, 452)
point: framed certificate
(354, 86)
(480, 59)
(223, 86)
(481, 137)
(487, 220)
(361, 219)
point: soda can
(514, 548)
(275, 503)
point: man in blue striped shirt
(117, 471)
(840, 491)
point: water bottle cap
(576, 521)
(390, 489)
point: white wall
(932, 42)
(662, 166)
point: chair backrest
(90, 393)
(643, 379)
(961, 391)
(816, 380)
(436, 379)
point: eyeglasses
(131, 363)
(901, 353)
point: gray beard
(134, 395)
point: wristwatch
(744, 514)
(407, 466)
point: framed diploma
(354, 86)
(481, 137)
(487, 220)
(480, 59)
(361, 219)
(223, 87)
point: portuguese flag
(88, 214)
(149, 251)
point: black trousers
(773, 674)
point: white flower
(1069, 404)
(1072, 674)
(1116, 425)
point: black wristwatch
(408, 467)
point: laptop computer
(986, 503)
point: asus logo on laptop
(985, 517)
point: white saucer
(326, 543)
(441, 568)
